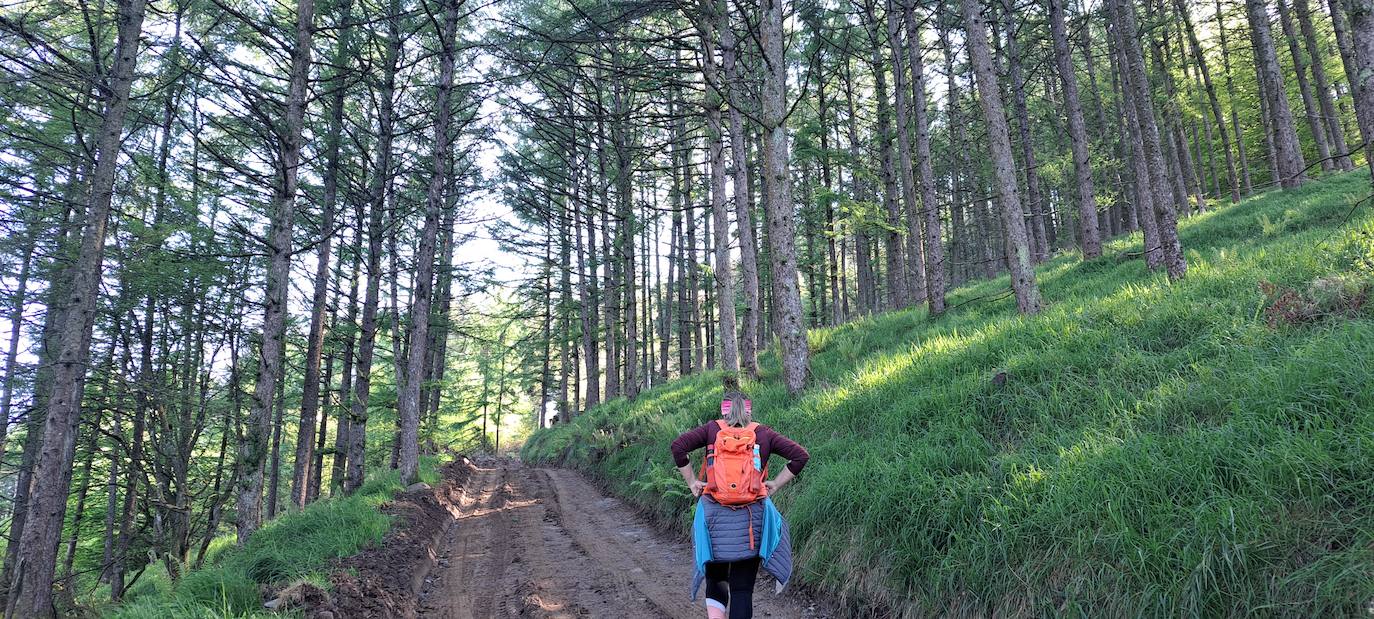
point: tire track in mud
(546, 543)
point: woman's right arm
(684, 444)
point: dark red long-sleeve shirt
(768, 440)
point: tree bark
(310, 388)
(864, 286)
(1361, 15)
(16, 321)
(744, 221)
(715, 149)
(253, 450)
(777, 191)
(408, 404)
(377, 193)
(1165, 212)
(898, 295)
(1309, 106)
(344, 425)
(1287, 154)
(590, 303)
(1248, 187)
(31, 593)
(915, 260)
(625, 231)
(1214, 105)
(1089, 237)
(274, 464)
(1335, 132)
(934, 259)
(1034, 198)
(1004, 167)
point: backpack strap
(750, 508)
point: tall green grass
(294, 547)
(1156, 449)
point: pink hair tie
(725, 407)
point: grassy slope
(296, 546)
(1157, 448)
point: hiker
(736, 528)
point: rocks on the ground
(419, 485)
(294, 596)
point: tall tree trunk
(79, 516)
(252, 451)
(1200, 61)
(274, 466)
(1244, 163)
(1361, 15)
(1089, 236)
(567, 360)
(744, 221)
(864, 285)
(377, 194)
(682, 222)
(934, 259)
(1035, 200)
(312, 491)
(1287, 154)
(915, 261)
(31, 593)
(1309, 106)
(611, 272)
(777, 189)
(1142, 180)
(16, 322)
(1346, 46)
(715, 158)
(625, 229)
(691, 273)
(344, 426)
(142, 395)
(898, 295)
(832, 230)
(665, 294)
(1186, 181)
(408, 404)
(1003, 165)
(443, 323)
(1335, 132)
(590, 302)
(1165, 212)
(310, 388)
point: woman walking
(736, 528)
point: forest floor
(545, 542)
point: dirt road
(546, 543)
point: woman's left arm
(795, 455)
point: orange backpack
(732, 470)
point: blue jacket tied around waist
(721, 533)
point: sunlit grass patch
(1150, 448)
(294, 547)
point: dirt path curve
(546, 543)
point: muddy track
(546, 543)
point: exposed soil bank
(385, 580)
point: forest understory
(1070, 300)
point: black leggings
(733, 582)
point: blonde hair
(739, 414)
